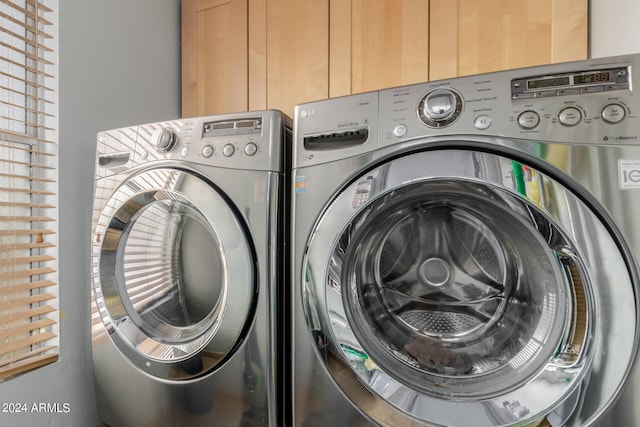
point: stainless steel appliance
(465, 252)
(187, 272)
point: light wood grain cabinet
(214, 56)
(243, 55)
(377, 43)
(471, 37)
(289, 53)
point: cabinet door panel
(378, 43)
(297, 52)
(214, 57)
(470, 37)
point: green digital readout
(542, 83)
(600, 77)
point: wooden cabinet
(240, 55)
(254, 54)
(214, 57)
(289, 53)
(470, 36)
(377, 43)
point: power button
(400, 130)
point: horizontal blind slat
(24, 301)
(32, 56)
(4, 233)
(26, 205)
(26, 148)
(39, 5)
(27, 342)
(26, 67)
(27, 314)
(26, 273)
(4, 133)
(27, 178)
(26, 219)
(25, 260)
(30, 164)
(33, 14)
(26, 286)
(33, 361)
(25, 246)
(30, 84)
(26, 327)
(33, 28)
(26, 190)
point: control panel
(240, 141)
(581, 102)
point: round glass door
(456, 294)
(172, 247)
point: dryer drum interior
(165, 286)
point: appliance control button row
(613, 113)
(569, 116)
(528, 119)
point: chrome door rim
(174, 351)
(323, 275)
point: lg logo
(628, 174)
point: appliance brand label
(628, 174)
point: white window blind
(28, 175)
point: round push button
(228, 150)
(528, 119)
(613, 113)
(207, 151)
(570, 116)
(250, 149)
(482, 122)
(400, 130)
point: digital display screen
(542, 83)
(591, 78)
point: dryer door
(460, 293)
(174, 278)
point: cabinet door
(294, 51)
(377, 43)
(214, 57)
(470, 36)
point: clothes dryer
(187, 271)
(465, 252)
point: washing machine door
(463, 289)
(174, 278)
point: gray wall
(119, 65)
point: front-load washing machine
(465, 252)
(187, 271)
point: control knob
(164, 139)
(440, 108)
